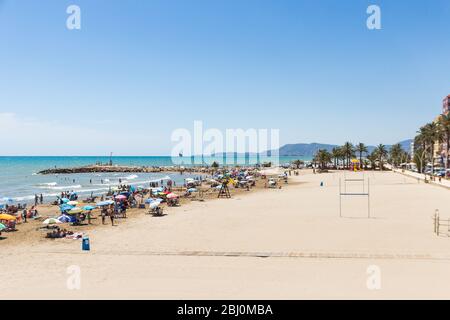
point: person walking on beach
(104, 213)
(41, 199)
(35, 199)
(111, 214)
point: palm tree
(372, 157)
(396, 154)
(323, 157)
(348, 152)
(336, 154)
(361, 148)
(297, 163)
(444, 123)
(420, 150)
(431, 133)
(382, 153)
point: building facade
(446, 105)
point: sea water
(20, 181)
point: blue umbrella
(104, 203)
(87, 208)
(65, 207)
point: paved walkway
(443, 183)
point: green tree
(336, 154)
(348, 152)
(430, 134)
(323, 157)
(396, 154)
(381, 152)
(297, 163)
(372, 158)
(361, 148)
(444, 123)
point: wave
(76, 186)
(50, 184)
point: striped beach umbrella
(75, 210)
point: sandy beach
(287, 243)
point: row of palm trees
(341, 156)
(426, 138)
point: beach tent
(7, 217)
(66, 219)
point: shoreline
(27, 233)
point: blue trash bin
(85, 244)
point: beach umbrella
(51, 221)
(104, 203)
(64, 200)
(7, 217)
(88, 208)
(72, 203)
(121, 197)
(65, 207)
(75, 210)
(172, 196)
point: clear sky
(137, 70)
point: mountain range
(310, 149)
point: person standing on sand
(103, 214)
(111, 214)
(41, 199)
(24, 215)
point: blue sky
(137, 70)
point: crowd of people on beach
(115, 203)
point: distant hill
(310, 149)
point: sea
(20, 181)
